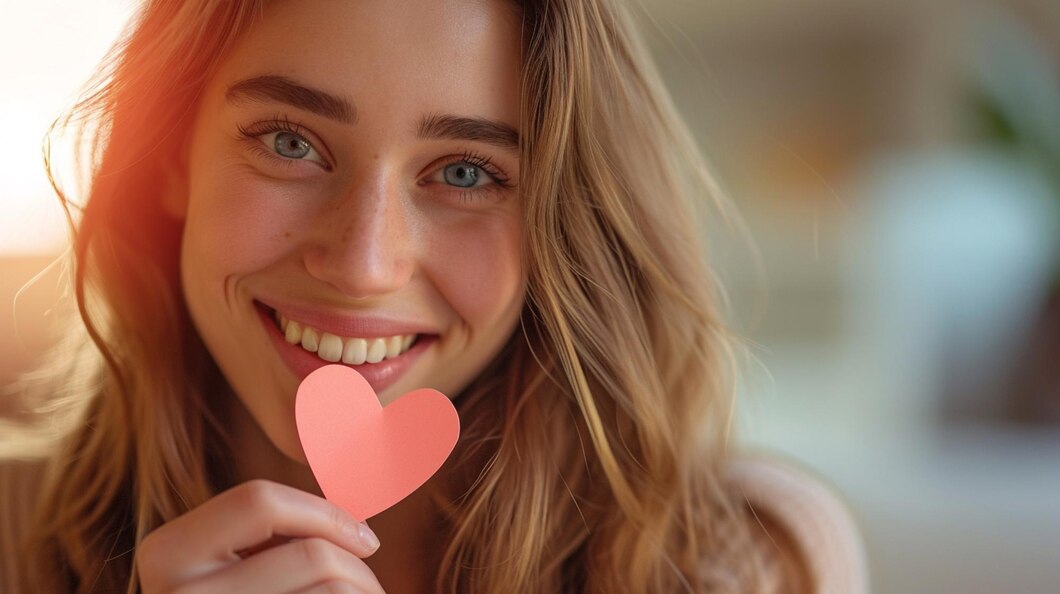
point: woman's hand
(224, 546)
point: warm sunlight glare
(48, 49)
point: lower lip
(302, 362)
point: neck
(410, 551)
(254, 456)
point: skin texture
(381, 233)
(365, 221)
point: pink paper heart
(365, 457)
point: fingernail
(368, 536)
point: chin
(288, 444)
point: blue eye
(288, 141)
(462, 174)
(288, 146)
(474, 175)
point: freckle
(375, 156)
(346, 234)
(286, 234)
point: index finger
(210, 536)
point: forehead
(455, 56)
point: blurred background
(897, 164)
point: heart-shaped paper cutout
(366, 457)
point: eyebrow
(281, 89)
(454, 127)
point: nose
(365, 246)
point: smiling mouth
(351, 350)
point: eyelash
(482, 162)
(280, 123)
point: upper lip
(345, 324)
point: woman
(492, 199)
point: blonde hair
(595, 442)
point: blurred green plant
(1014, 102)
(1014, 98)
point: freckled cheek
(477, 267)
(243, 226)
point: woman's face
(353, 166)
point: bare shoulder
(803, 525)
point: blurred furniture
(27, 324)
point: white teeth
(292, 332)
(310, 340)
(355, 351)
(393, 346)
(376, 350)
(330, 348)
(351, 351)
